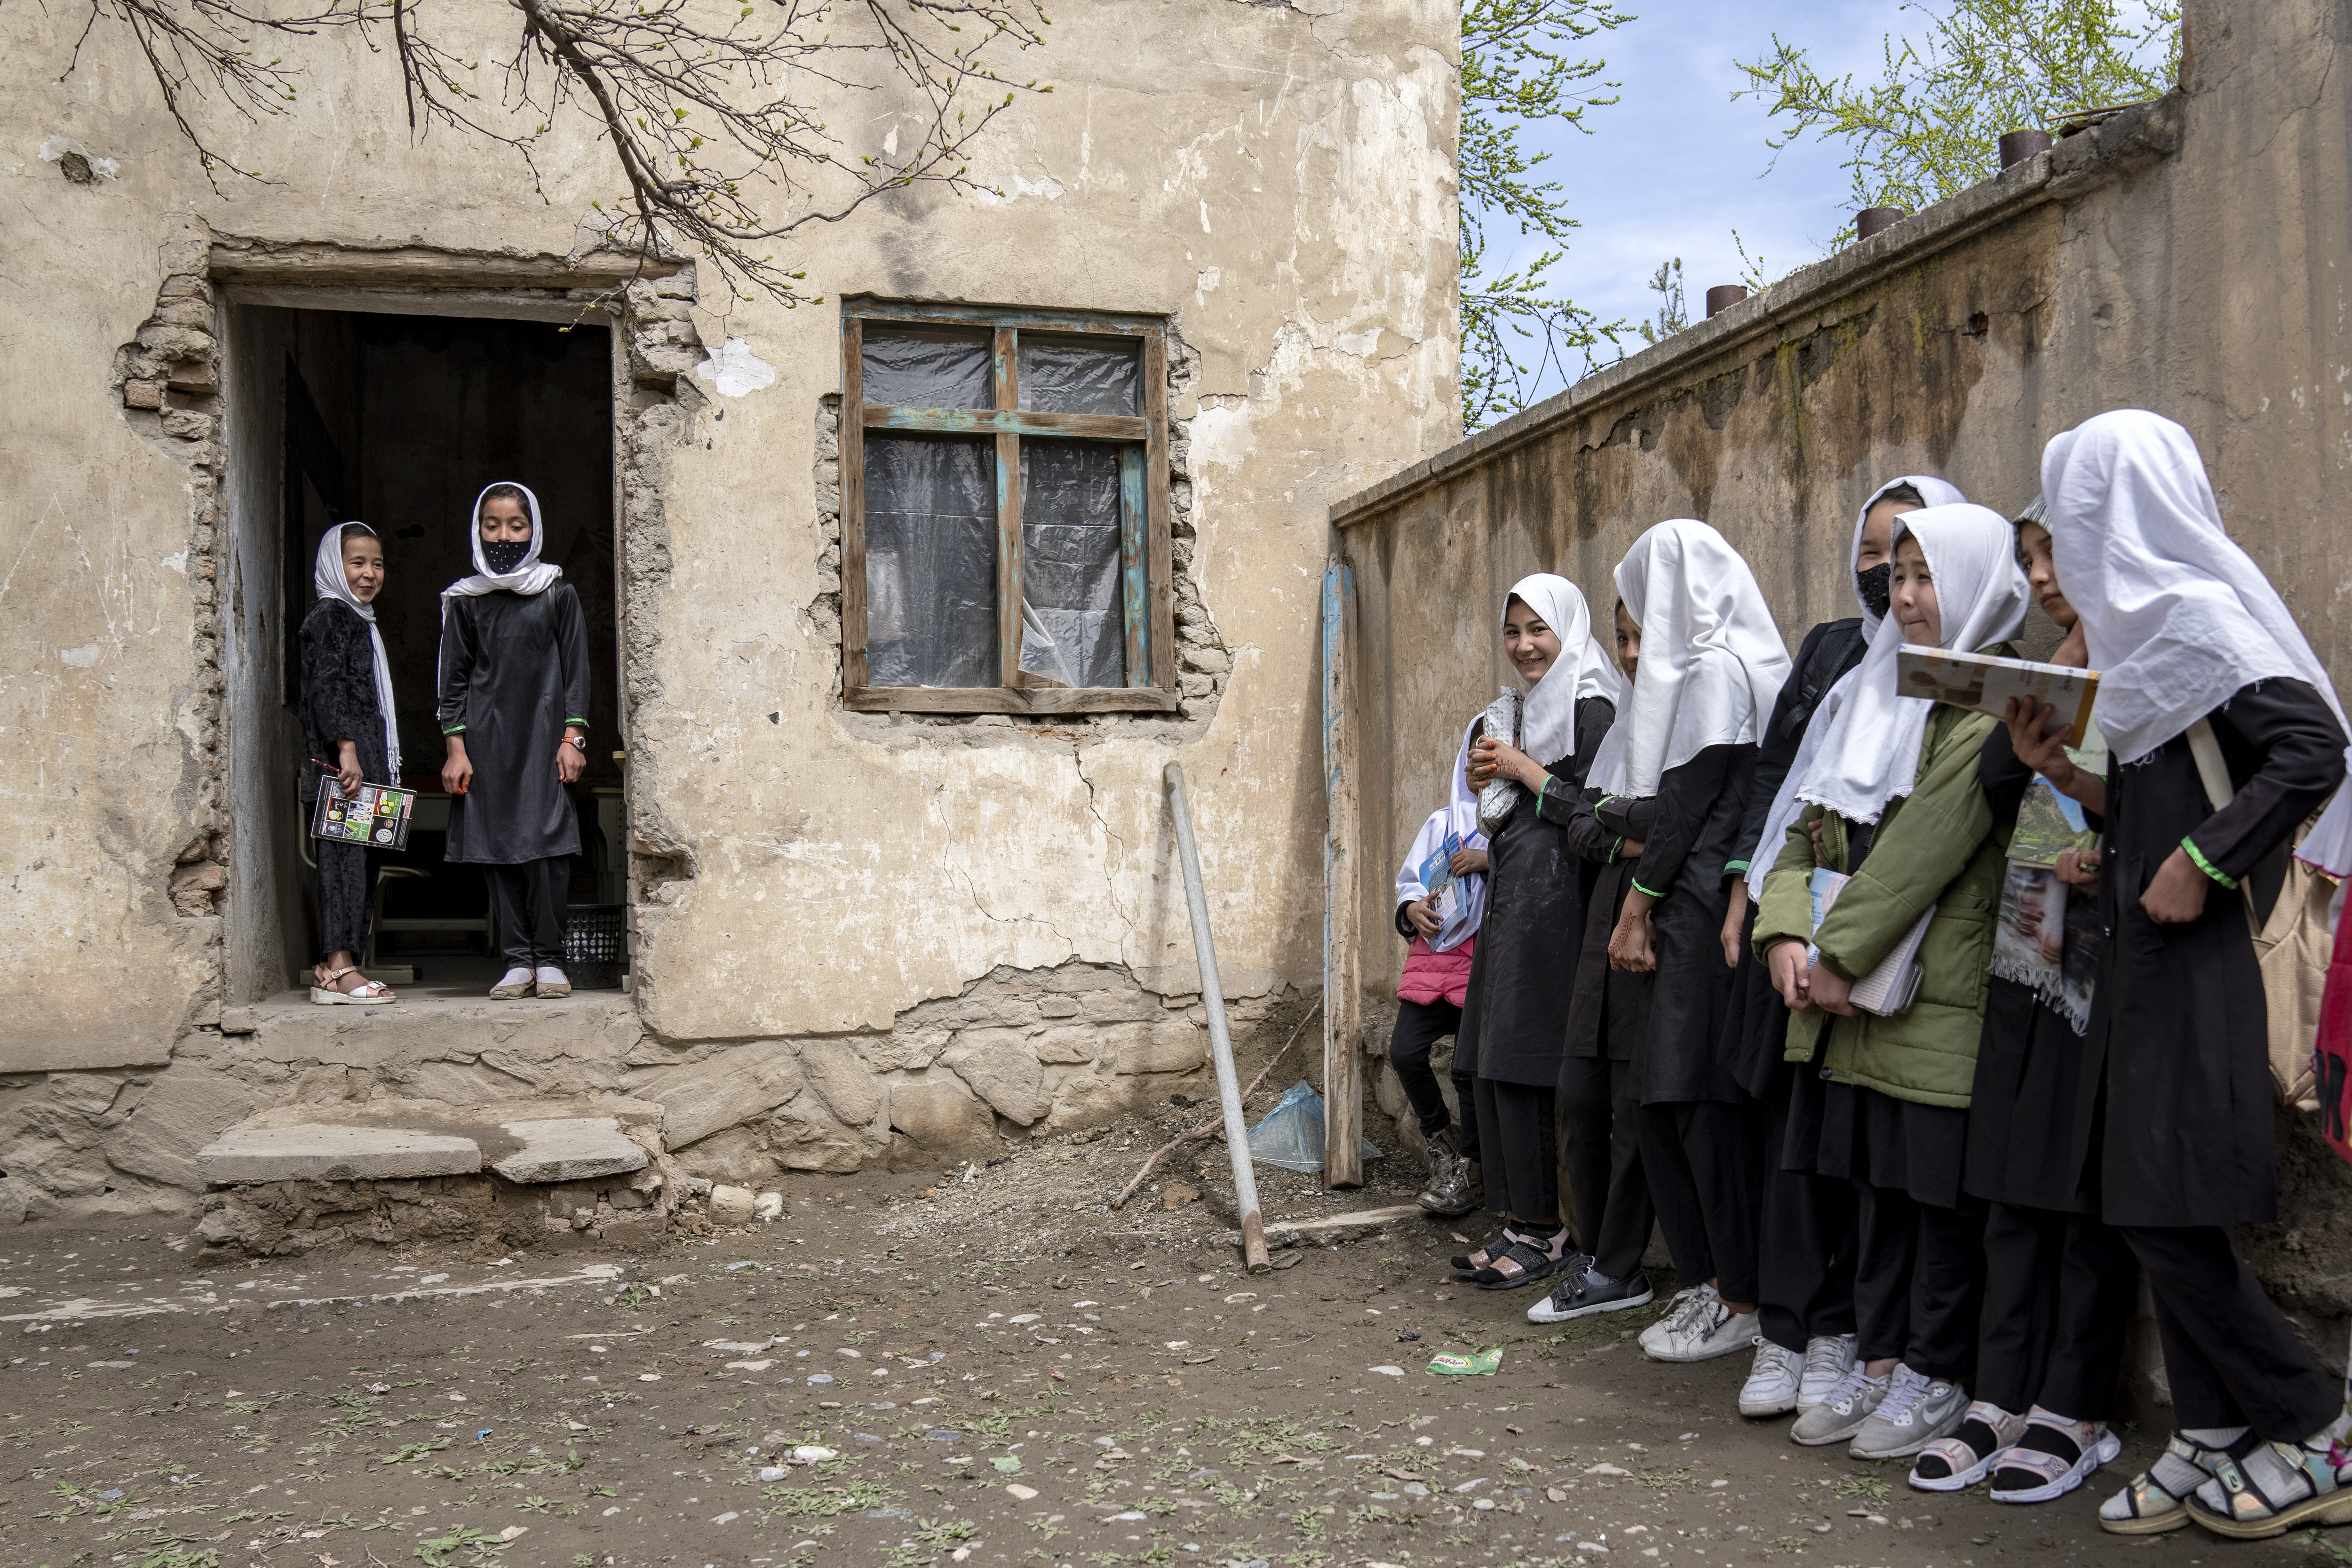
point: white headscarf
(327, 577)
(1712, 661)
(2178, 618)
(1459, 816)
(1786, 806)
(1869, 749)
(1547, 724)
(1933, 491)
(532, 576)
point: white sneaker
(1717, 1331)
(1917, 1411)
(1772, 1386)
(1828, 1359)
(1838, 1417)
(1686, 1306)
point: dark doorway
(399, 421)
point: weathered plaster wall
(1278, 183)
(2188, 258)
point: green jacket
(1938, 844)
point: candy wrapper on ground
(1477, 1363)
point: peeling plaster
(733, 370)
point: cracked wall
(1275, 183)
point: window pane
(930, 561)
(1080, 376)
(917, 368)
(1072, 629)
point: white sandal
(372, 993)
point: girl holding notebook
(1909, 839)
(2196, 652)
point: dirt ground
(908, 1370)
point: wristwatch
(579, 740)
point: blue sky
(1677, 164)
(1681, 162)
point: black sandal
(1483, 1259)
(1522, 1263)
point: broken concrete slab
(319, 1152)
(569, 1149)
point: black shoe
(1455, 1185)
(1586, 1292)
(1464, 1266)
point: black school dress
(1695, 832)
(1756, 1021)
(2176, 1101)
(1523, 975)
(514, 672)
(2023, 1109)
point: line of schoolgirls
(513, 713)
(1927, 1224)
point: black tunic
(1695, 834)
(1609, 1012)
(2178, 1044)
(514, 672)
(339, 700)
(2023, 1108)
(1756, 1021)
(1514, 1021)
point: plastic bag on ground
(1291, 1135)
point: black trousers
(529, 900)
(1521, 1161)
(2058, 1298)
(346, 880)
(1807, 1235)
(1918, 1282)
(1701, 1161)
(2231, 1359)
(1603, 1115)
(1419, 1026)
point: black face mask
(505, 554)
(1876, 586)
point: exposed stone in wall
(1202, 661)
(167, 379)
(662, 346)
(1017, 1054)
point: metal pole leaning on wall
(1221, 1041)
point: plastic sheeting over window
(1072, 629)
(913, 368)
(930, 561)
(1064, 377)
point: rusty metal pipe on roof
(1221, 1041)
(2017, 146)
(1877, 220)
(1724, 296)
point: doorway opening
(398, 421)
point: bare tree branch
(712, 121)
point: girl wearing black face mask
(514, 713)
(1805, 1227)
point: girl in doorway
(1515, 1022)
(514, 714)
(1432, 988)
(2197, 652)
(2058, 1282)
(1904, 817)
(352, 736)
(1711, 664)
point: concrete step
(533, 1142)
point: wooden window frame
(1145, 555)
